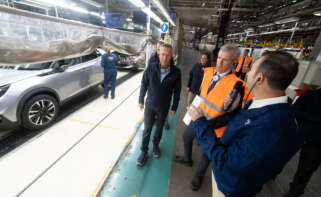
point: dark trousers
(110, 79)
(188, 138)
(310, 160)
(150, 116)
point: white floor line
(79, 173)
(27, 163)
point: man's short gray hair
(231, 47)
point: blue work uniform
(109, 63)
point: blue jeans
(110, 79)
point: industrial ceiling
(244, 13)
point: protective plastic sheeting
(30, 37)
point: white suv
(31, 94)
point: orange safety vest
(246, 64)
(213, 101)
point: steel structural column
(148, 20)
(225, 17)
(178, 36)
(106, 6)
(316, 48)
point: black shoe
(167, 127)
(156, 151)
(105, 97)
(142, 159)
(181, 160)
(196, 182)
(112, 97)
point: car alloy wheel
(39, 111)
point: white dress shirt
(269, 101)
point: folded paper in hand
(196, 102)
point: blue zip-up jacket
(159, 93)
(195, 78)
(109, 62)
(256, 145)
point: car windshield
(38, 66)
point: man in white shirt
(258, 141)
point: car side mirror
(60, 68)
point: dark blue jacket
(195, 78)
(254, 148)
(308, 114)
(109, 62)
(159, 93)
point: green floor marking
(151, 180)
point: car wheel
(39, 111)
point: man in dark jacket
(258, 141)
(155, 57)
(308, 114)
(109, 62)
(196, 77)
(161, 80)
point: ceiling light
(287, 20)
(33, 4)
(65, 5)
(146, 10)
(93, 3)
(317, 13)
(95, 14)
(138, 3)
(164, 11)
(266, 25)
(152, 14)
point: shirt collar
(223, 74)
(269, 101)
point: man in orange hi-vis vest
(217, 83)
(244, 63)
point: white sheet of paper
(196, 102)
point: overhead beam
(214, 9)
(195, 9)
(190, 1)
(198, 24)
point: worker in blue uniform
(109, 62)
(258, 141)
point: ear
(260, 79)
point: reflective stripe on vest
(211, 104)
(246, 64)
(213, 101)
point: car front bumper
(6, 124)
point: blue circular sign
(164, 27)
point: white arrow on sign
(164, 27)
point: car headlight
(4, 89)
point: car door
(71, 79)
(94, 72)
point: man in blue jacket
(258, 141)
(196, 77)
(109, 62)
(161, 80)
